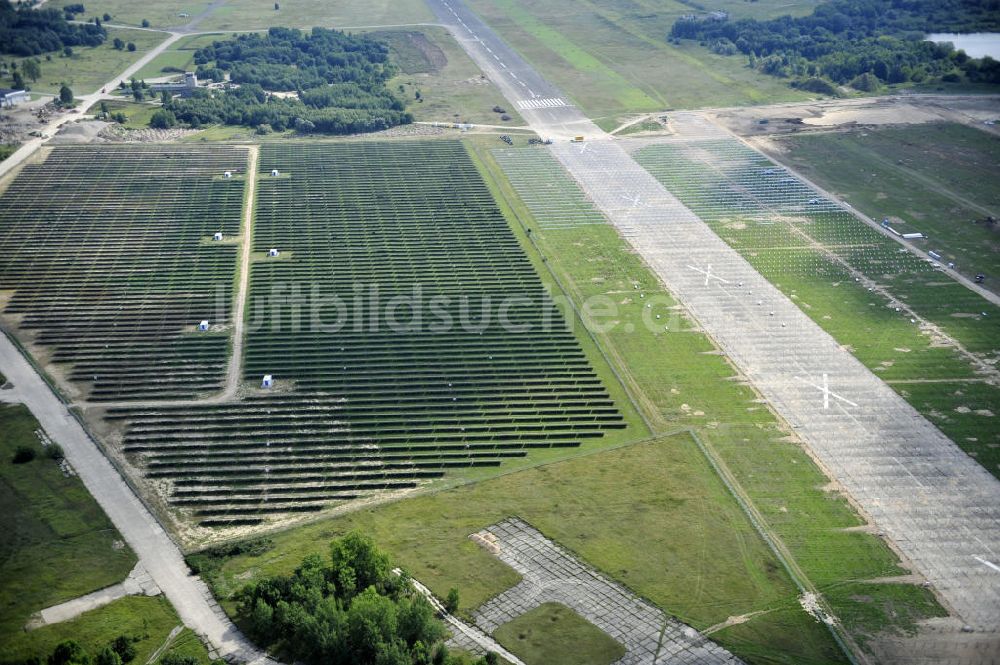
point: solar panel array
(362, 403)
(107, 252)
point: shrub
(178, 659)
(866, 82)
(108, 656)
(451, 602)
(124, 646)
(24, 454)
(68, 652)
(56, 452)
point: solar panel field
(405, 330)
(107, 260)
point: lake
(976, 44)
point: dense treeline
(340, 81)
(349, 609)
(288, 59)
(25, 31)
(851, 41)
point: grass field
(160, 14)
(553, 634)
(451, 85)
(613, 59)
(51, 525)
(138, 114)
(254, 14)
(651, 515)
(935, 179)
(91, 67)
(147, 620)
(180, 55)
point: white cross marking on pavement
(987, 563)
(708, 274)
(634, 200)
(827, 393)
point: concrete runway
(938, 506)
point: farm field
(613, 59)
(451, 86)
(891, 308)
(91, 67)
(471, 369)
(254, 15)
(935, 179)
(108, 251)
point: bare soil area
(761, 121)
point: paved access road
(939, 506)
(156, 551)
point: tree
(277, 6)
(67, 51)
(55, 451)
(451, 602)
(108, 656)
(68, 652)
(65, 94)
(18, 81)
(106, 17)
(145, 23)
(32, 69)
(118, 43)
(131, 47)
(162, 119)
(124, 646)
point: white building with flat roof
(10, 97)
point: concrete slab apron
(552, 575)
(938, 505)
